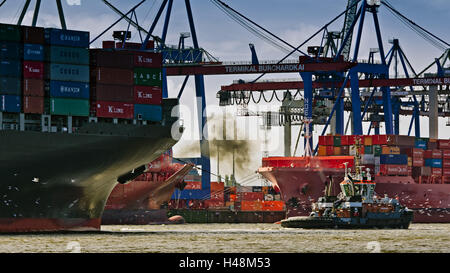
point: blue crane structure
(374, 76)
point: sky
(292, 20)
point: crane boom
(349, 18)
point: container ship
(74, 121)
(144, 201)
(414, 170)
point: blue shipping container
(62, 89)
(66, 37)
(68, 72)
(394, 159)
(420, 143)
(148, 112)
(67, 55)
(11, 68)
(9, 103)
(33, 52)
(10, 51)
(433, 162)
(10, 86)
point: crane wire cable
(244, 22)
(427, 35)
(312, 36)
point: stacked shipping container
(126, 84)
(147, 86)
(11, 51)
(33, 83)
(240, 198)
(67, 72)
(426, 160)
(43, 69)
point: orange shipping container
(217, 186)
(251, 206)
(367, 140)
(390, 150)
(337, 150)
(273, 205)
(322, 150)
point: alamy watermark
(73, 2)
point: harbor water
(233, 238)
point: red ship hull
(139, 202)
(300, 185)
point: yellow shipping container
(390, 150)
(409, 161)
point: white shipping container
(268, 197)
(368, 159)
(245, 189)
(377, 160)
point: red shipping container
(446, 172)
(344, 140)
(351, 140)
(33, 70)
(112, 92)
(112, 109)
(444, 144)
(446, 163)
(217, 186)
(412, 152)
(128, 45)
(33, 105)
(148, 95)
(330, 150)
(433, 154)
(218, 195)
(252, 196)
(107, 75)
(394, 169)
(322, 140)
(446, 154)
(436, 172)
(108, 44)
(214, 203)
(114, 58)
(32, 35)
(33, 87)
(379, 140)
(329, 140)
(147, 59)
(418, 162)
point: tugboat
(356, 207)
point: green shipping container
(368, 149)
(68, 107)
(67, 72)
(148, 76)
(377, 150)
(10, 33)
(337, 141)
(67, 55)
